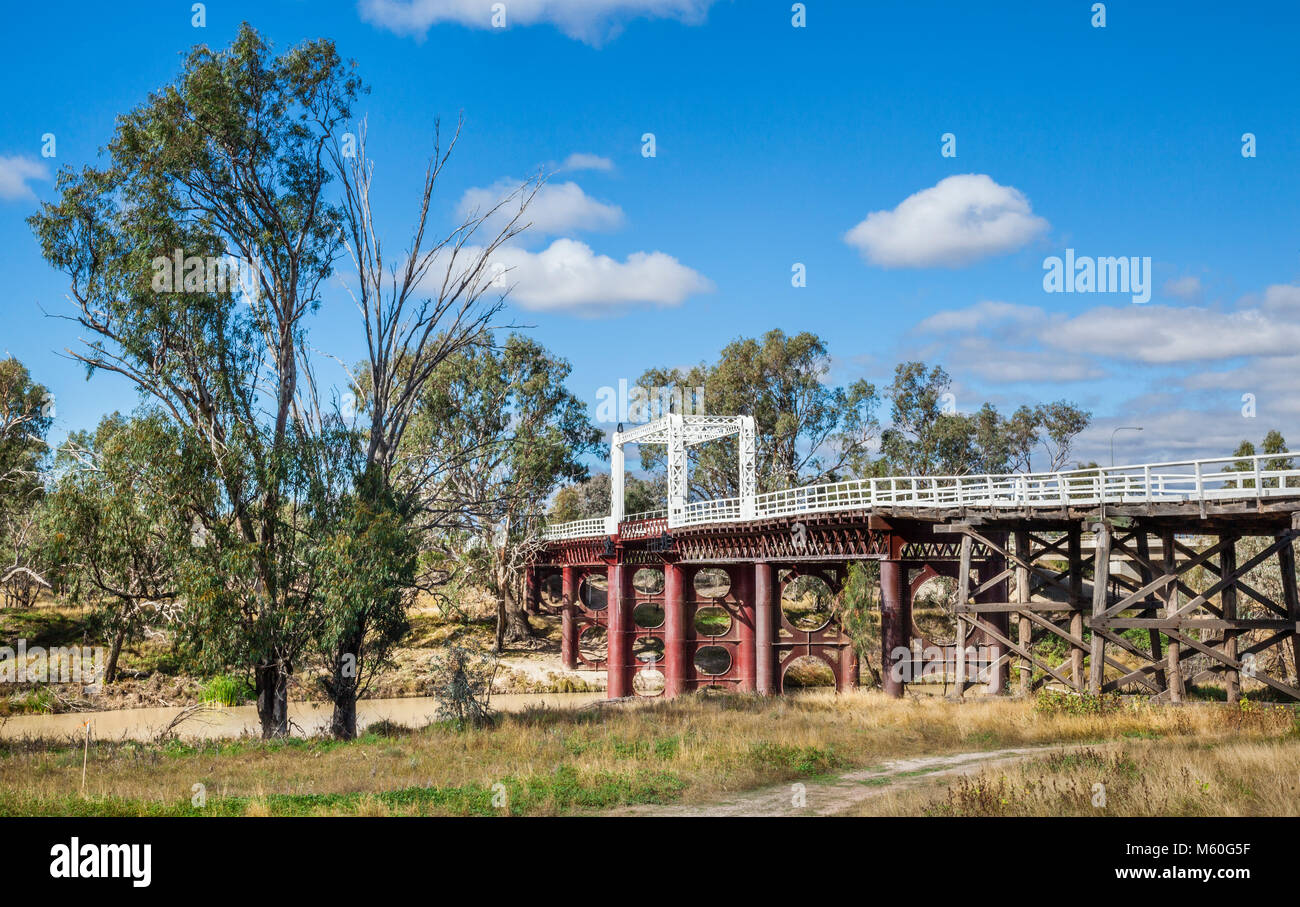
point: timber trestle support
(1095, 602)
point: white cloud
(591, 21)
(980, 315)
(1169, 432)
(1027, 367)
(1282, 299)
(1187, 367)
(15, 173)
(1188, 288)
(962, 219)
(1259, 326)
(582, 161)
(568, 275)
(1166, 335)
(556, 208)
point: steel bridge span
(1143, 578)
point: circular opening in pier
(648, 615)
(593, 643)
(648, 581)
(648, 682)
(807, 672)
(594, 592)
(648, 649)
(806, 603)
(712, 660)
(712, 582)
(712, 620)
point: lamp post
(1112, 438)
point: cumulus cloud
(590, 21)
(556, 208)
(958, 221)
(978, 316)
(1027, 367)
(1188, 368)
(568, 275)
(1188, 288)
(1261, 325)
(1282, 299)
(1168, 334)
(582, 161)
(16, 172)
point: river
(305, 718)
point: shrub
(1062, 702)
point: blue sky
(773, 143)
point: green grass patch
(227, 691)
(800, 760)
(564, 790)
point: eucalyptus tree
(928, 436)
(590, 498)
(807, 430)
(108, 528)
(25, 419)
(506, 432)
(432, 302)
(229, 161)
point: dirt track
(833, 797)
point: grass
(227, 691)
(1136, 777)
(546, 762)
(1214, 761)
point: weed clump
(1061, 702)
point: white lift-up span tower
(679, 432)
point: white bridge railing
(1219, 479)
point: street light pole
(1112, 438)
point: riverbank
(216, 722)
(152, 677)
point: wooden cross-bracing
(1224, 628)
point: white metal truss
(678, 432)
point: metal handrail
(1213, 479)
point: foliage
(227, 161)
(26, 414)
(928, 436)
(591, 498)
(857, 610)
(25, 418)
(368, 579)
(109, 534)
(806, 430)
(1061, 702)
(227, 691)
(1273, 443)
(462, 684)
(504, 431)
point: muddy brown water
(305, 718)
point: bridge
(1144, 579)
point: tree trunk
(273, 698)
(343, 687)
(512, 620)
(110, 669)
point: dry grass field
(1139, 777)
(691, 751)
